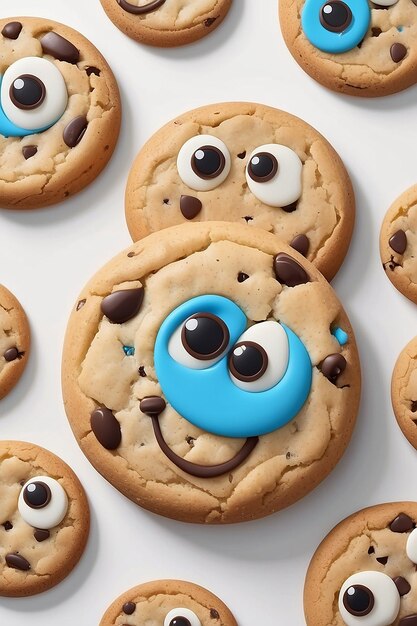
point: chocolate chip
(288, 272)
(214, 614)
(402, 585)
(242, 155)
(190, 207)
(371, 550)
(129, 608)
(209, 21)
(301, 243)
(166, 201)
(414, 406)
(142, 372)
(290, 208)
(190, 441)
(131, 255)
(153, 405)
(12, 30)
(11, 354)
(29, 151)
(248, 218)
(382, 559)
(398, 242)
(242, 276)
(410, 620)
(7, 525)
(17, 561)
(92, 70)
(106, 428)
(80, 304)
(398, 52)
(74, 131)
(402, 524)
(121, 306)
(376, 31)
(332, 366)
(59, 48)
(41, 535)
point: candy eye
(412, 546)
(200, 341)
(181, 617)
(335, 16)
(203, 162)
(33, 94)
(43, 503)
(369, 598)
(273, 175)
(259, 359)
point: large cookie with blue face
(357, 47)
(59, 112)
(211, 374)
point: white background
(46, 256)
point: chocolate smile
(146, 8)
(153, 407)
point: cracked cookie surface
(377, 540)
(166, 23)
(404, 391)
(44, 519)
(308, 203)
(14, 341)
(59, 115)
(398, 242)
(176, 433)
(158, 603)
(381, 58)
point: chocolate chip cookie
(14, 341)
(404, 391)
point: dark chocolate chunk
(121, 306)
(288, 271)
(59, 48)
(332, 366)
(29, 151)
(414, 406)
(153, 405)
(242, 155)
(301, 243)
(290, 208)
(376, 31)
(80, 304)
(142, 372)
(12, 30)
(402, 585)
(382, 559)
(41, 535)
(190, 440)
(7, 525)
(129, 608)
(141, 10)
(371, 550)
(74, 131)
(11, 354)
(398, 51)
(190, 207)
(398, 242)
(242, 276)
(402, 524)
(106, 428)
(214, 614)
(17, 561)
(209, 21)
(410, 620)
(92, 70)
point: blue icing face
(226, 378)
(335, 26)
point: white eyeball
(411, 548)
(43, 503)
(181, 617)
(33, 93)
(203, 162)
(387, 3)
(259, 359)
(200, 341)
(369, 599)
(273, 175)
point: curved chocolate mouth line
(146, 8)
(203, 471)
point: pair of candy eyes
(181, 617)
(256, 362)
(43, 502)
(273, 173)
(33, 93)
(336, 16)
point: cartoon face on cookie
(248, 164)
(168, 603)
(57, 97)
(166, 23)
(355, 46)
(225, 354)
(367, 576)
(44, 519)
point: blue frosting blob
(209, 399)
(331, 42)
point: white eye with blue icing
(33, 96)
(273, 175)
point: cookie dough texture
(152, 601)
(57, 171)
(404, 391)
(173, 23)
(368, 70)
(14, 341)
(325, 212)
(353, 546)
(50, 560)
(173, 266)
(398, 243)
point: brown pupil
(248, 360)
(179, 621)
(262, 165)
(27, 91)
(208, 161)
(359, 600)
(336, 15)
(37, 495)
(203, 335)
